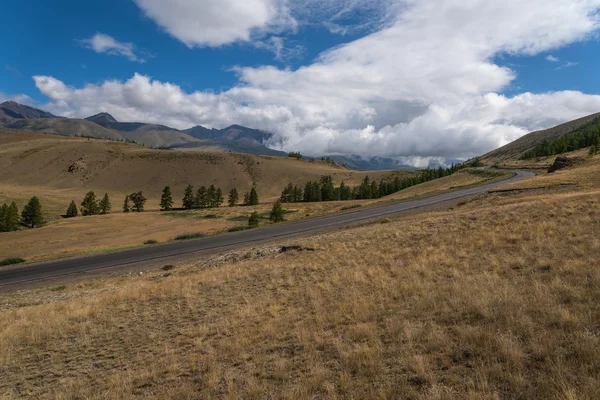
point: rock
(564, 162)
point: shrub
(168, 267)
(11, 261)
(351, 207)
(276, 214)
(151, 241)
(253, 220)
(238, 228)
(187, 236)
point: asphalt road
(26, 273)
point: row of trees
(325, 190)
(207, 198)
(587, 135)
(31, 216)
(90, 205)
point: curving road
(167, 252)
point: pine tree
(253, 197)
(287, 196)
(72, 210)
(12, 218)
(201, 198)
(3, 215)
(247, 199)
(297, 194)
(138, 200)
(276, 212)
(253, 220)
(89, 205)
(126, 207)
(188, 198)
(166, 200)
(32, 214)
(374, 189)
(233, 197)
(211, 196)
(219, 198)
(105, 205)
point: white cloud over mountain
(423, 85)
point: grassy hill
(497, 298)
(517, 148)
(68, 165)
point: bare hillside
(515, 149)
(68, 163)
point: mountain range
(235, 138)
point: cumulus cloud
(423, 86)
(102, 43)
(551, 58)
(217, 22)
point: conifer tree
(11, 221)
(72, 210)
(3, 215)
(276, 212)
(126, 207)
(253, 220)
(297, 194)
(138, 200)
(253, 197)
(89, 205)
(374, 189)
(233, 197)
(247, 199)
(105, 205)
(211, 196)
(32, 214)
(166, 200)
(201, 198)
(219, 198)
(188, 198)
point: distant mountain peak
(19, 111)
(102, 118)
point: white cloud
(424, 86)
(568, 64)
(280, 49)
(551, 58)
(217, 22)
(19, 98)
(102, 43)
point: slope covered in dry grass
(498, 298)
(58, 169)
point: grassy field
(498, 298)
(85, 235)
(59, 169)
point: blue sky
(416, 80)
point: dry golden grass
(37, 163)
(499, 298)
(73, 236)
